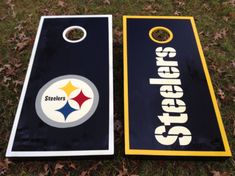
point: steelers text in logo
(67, 101)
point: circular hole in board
(74, 34)
(160, 35)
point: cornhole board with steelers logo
(66, 105)
(170, 105)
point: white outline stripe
(111, 99)
(59, 153)
(67, 30)
(110, 151)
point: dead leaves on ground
(65, 168)
(233, 128)
(107, 2)
(4, 166)
(221, 94)
(94, 167)
(220, 34)
(9, 74)
(61, 4)
(230, 3)
(217, 37)
(118, 127)
(218, 173)
(152, 8)
(123, 171)
(59, 168)
(45, 171)
(10, 4)
(20, 40)
(117, 36)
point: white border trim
(110, 151)
(111, 98)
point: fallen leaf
(3, 17)
(118, 125)
(18, 65)
(231, 88)
(2, 69)
(92, 168)
(230, 2)
(46, 170)
(84, 173)
(233, 64)
(106, 2)
(23, 41)
(117, 35)
(86, 10)
(61, 3)
(180, 3)
(234, 128)
(58, 167)
(46, 167)
(232, 15)
(177, 12)
(10, 70)
(225, 18)
(7, 66)
(47, 11)
(148, 8)
(6, 79)
(22, 45)
(220, 34)
(218, 173)
(123, 171)
(11, 6)
(4, 165)
(67, 174)
(221, 94)
(117, 32)
(73, 166)
(19, 27)
(95, 166)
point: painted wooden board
(170, 105)
(66, 105)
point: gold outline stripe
(129, 151)
(160, 28)
(126, 96)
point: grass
(215, 20)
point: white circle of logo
(67, 101)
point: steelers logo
(67, 101)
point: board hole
(161, 35)
(74, 34)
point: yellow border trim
(160, 28)
(128, 151)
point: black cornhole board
(170, 106)
(66, 105)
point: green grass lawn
(215, 20)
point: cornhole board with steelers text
(66, 105)
(170, 105)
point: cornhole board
(66, 105)
(170, 105)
